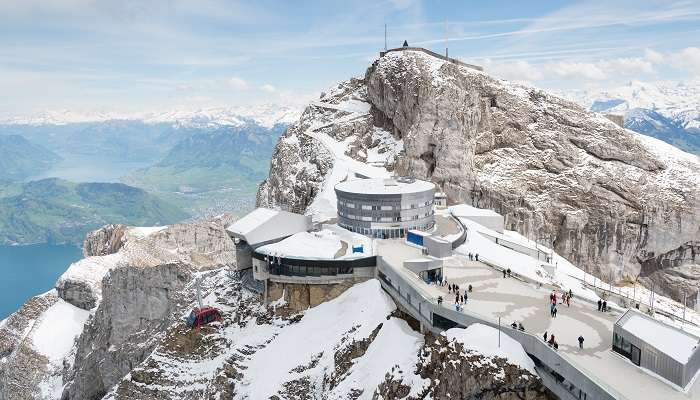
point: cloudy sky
(134, 55)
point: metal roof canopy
(264, 225)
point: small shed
(427, 268)
(437, 247)
(482, 216)
(663, 349)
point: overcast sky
(88, 55)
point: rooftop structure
(488, 218)
(385, 208)
(265, 225)
(663, 349)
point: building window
(387, 208)
(367, 218)
(366, 207)
(350, 205)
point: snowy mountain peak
(266, 115)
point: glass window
(350, 205)
(387, 208)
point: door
(635, 355)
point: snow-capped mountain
(266, 115)
(669, 111)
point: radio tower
(446, 41)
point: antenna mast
(385, 37)
(446, 41)
(199, 292)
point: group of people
(552, 342)
(473, 257)
(603, 305)
(553, 304)
(506, 272)
(519, 326)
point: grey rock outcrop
(104, 241)
(605, 198)
(135, 310)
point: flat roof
(464, 210)
(385, 186)
(678, 344)
(263, 225)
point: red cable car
(203, 316)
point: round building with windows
(385, 208)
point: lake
(30, 270)
(91, 168)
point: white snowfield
(354, 314)
(55, 331)
(310, 245)
(91, 271)
(484, 340)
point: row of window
(383, 219)
(297, 270)
(349, 204)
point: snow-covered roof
(678, 344)
(385, 186)
(464, 210)
(264, 225)
(331, 242)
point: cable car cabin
(199, 317)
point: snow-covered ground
(323, 244)
(485, 340)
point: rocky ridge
(618, 204)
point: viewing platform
(434, 54)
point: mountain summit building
(385, 208)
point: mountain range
(669, 111)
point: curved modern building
(385, 208)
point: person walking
(605, 306)
(545, 336)
(504, 274)
(477, 256)
(600, 305)
(571, 293)
(551, 310)
(554, 312)
(470, 288)
(551, 340)
(580, 341)
(509, 272)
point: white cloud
(237, 83)
(688, 59)
(518, 70)
(268, 88)
(578, 70)
(653, 57)
(633, 65)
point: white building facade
(385, 208)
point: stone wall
(302, 296)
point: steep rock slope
(606, 198)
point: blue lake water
(26, 271)
(91, 168)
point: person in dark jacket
(545, 336)
(605, 305)
(600, 305)
(580, 342)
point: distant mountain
(222, 165)
(266, 115)
(20, 158)
(58, 211)
(669, 111)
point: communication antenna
(446, 41)
(385, 37)
(199, 292)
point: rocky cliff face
(607, 199)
